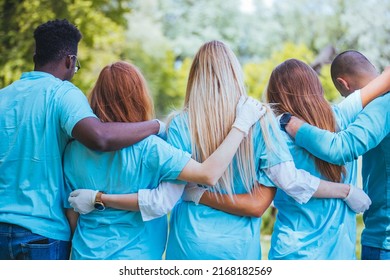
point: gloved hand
(357, 200)
(192, 192)
(248, 111)
(83, 200)
(162, 132)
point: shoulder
(150, 143)
(66, 87)
(178, 119)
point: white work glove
(83, 200)
(248, 111)
(162, 132)
(192, 192)
(357, 200)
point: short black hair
(349, 62)
(54, 40)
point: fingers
(75, 193)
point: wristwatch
(284, 119)
(99, 205)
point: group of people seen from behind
(96, 177)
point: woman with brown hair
(121, 95)
(321, 228)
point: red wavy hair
(121, 94)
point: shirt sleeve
(297, 183)
(179, 133)
(347, 110)
(365, 133)
(164, 159)
(270, 148)
(154, 203)
(73, 106)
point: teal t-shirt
(321, 229)
(199, 232)
(38, 113)
(118, 234)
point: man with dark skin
(40, 114)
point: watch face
(99, 206)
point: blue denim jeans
(18, 243)
(372, 253)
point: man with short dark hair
(40, 114)
(350, 71)
(368, 135)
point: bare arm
(376, 87)
(327, 189)
(100, 136)
(72, 217)
(127, 202)
(253, 204)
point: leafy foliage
(99, 21)
(161, 37)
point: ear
(343, 83)
(68, 62)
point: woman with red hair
(121, 95)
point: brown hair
(121, 94)
(294, 87)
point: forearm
(301, 185)
(328, 189)
(253, 205)
(112, 136)
(128, 202)
(72, 217)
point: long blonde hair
(215, 85)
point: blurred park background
(162, 36)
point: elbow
(92, 134)
(100, 143)
(253, 208)
(339, 158)
(256, 212)
(210, 180)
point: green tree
(101, 23)
(257, 74)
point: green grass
(268, 222)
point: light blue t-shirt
(113, 233)
(199, 232)
(369, 136)
(38, 113)
(321, 229)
